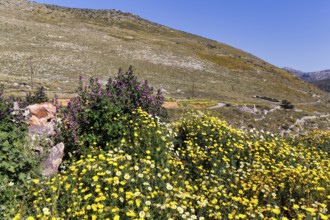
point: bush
(16, 163)
(319, 139)
(287, 105)
(199, 136)
(94, 115)
(130, 94)
(38, 96)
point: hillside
(52, 46)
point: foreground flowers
(210, 171)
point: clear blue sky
(286, 33)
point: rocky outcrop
(42, 120)
(43, 111)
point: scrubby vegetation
(16, 162)
(39, 96)
(128, 162)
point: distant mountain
(309, 76)
(320, 79)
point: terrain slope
(52, 46)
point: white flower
(46, 211)
(180, 210)
(169, 186)
(142, 214)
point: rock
(247, 109)
(16, 109)
(40, 130)
(16, 106)
(43, 110)
(34, 121)
(43, 119)
(219, 105)
(51, 164)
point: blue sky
(286, 33)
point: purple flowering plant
(100, 114)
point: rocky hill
(52, 46)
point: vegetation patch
(230, 62)
(125, 161)
(194, 103)
(199, 168)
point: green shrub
(288, 177)
(287, 105)
(319, 139)
(14, 165)
(16, 162)
(38, 96)
(199, 134)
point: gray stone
(51, 164)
